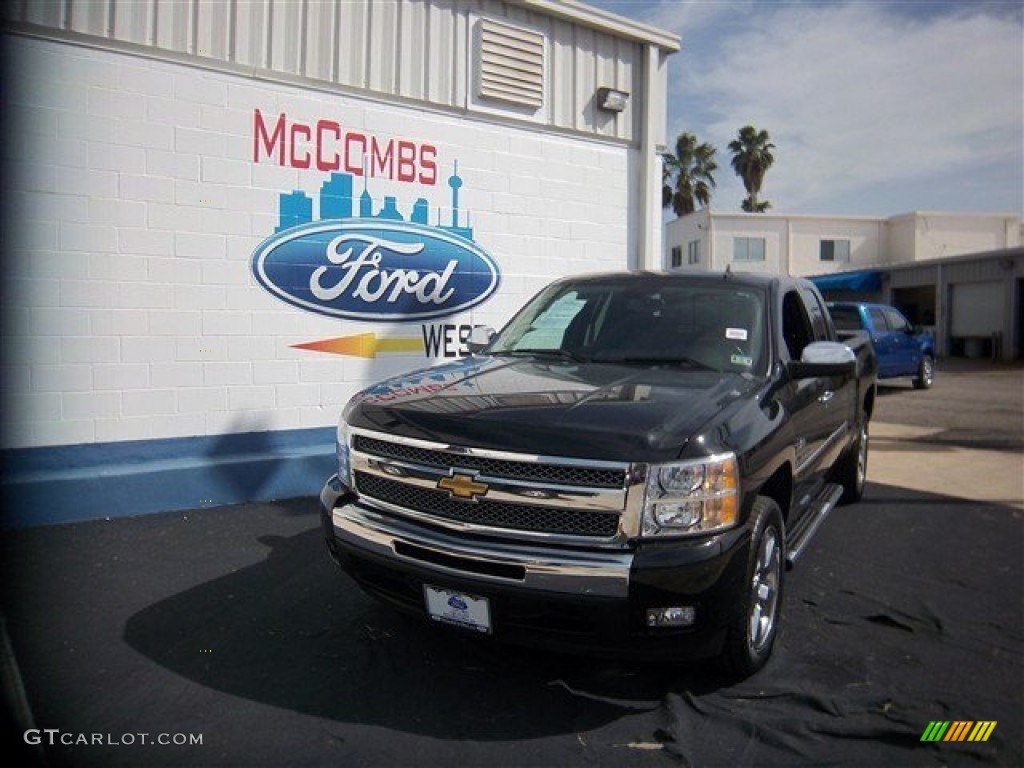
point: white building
(818, 245)
(225, 219)
(961, 274)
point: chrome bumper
(535, 568)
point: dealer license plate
(458, 608)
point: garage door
(977, 309)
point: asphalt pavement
(225, 637)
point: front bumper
(591, 600)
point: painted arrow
(364, 345)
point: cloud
(694, 17)
(855, 95)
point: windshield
(699, 324)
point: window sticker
(736, 334)
(742, 360)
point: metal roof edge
(777, 215)
(781, 215)
(955, 214)
(1012, 253)
(605, 21)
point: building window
(748, 249)
(835, 250)
(677, 256)
(693, 252)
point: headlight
(689, 497)
(342, 450)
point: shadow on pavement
(907, 609)
(280, 633)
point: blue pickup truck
(902, 350)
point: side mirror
(479, 337)
(824, 358)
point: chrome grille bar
(521, 468)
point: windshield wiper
(560, 353)
(673, 361)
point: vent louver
(511, 64)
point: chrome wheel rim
(862, 458)
(764, 589)
(927, 371)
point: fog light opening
(672, 616)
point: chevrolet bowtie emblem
(463, 486)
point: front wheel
(851, 472)
(752, 632)
(925, 373)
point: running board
(801, 534)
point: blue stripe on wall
(62, 484)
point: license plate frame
(449, 606)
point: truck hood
(591, 410)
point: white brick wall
(132, 312)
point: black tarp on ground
(232, 623)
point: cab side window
(896, 321)
(796, 327)
(877, 319)
(819, 324)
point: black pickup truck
(627, 468)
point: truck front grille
(495, 514)
(519, 496)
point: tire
(751, 633)
(851, 472)
(925, 373)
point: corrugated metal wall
(974, 297)
(417, 50)
(963, 271)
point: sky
(875, 108)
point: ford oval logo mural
(375, 270)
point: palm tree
(686, 176)
(751, 158)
